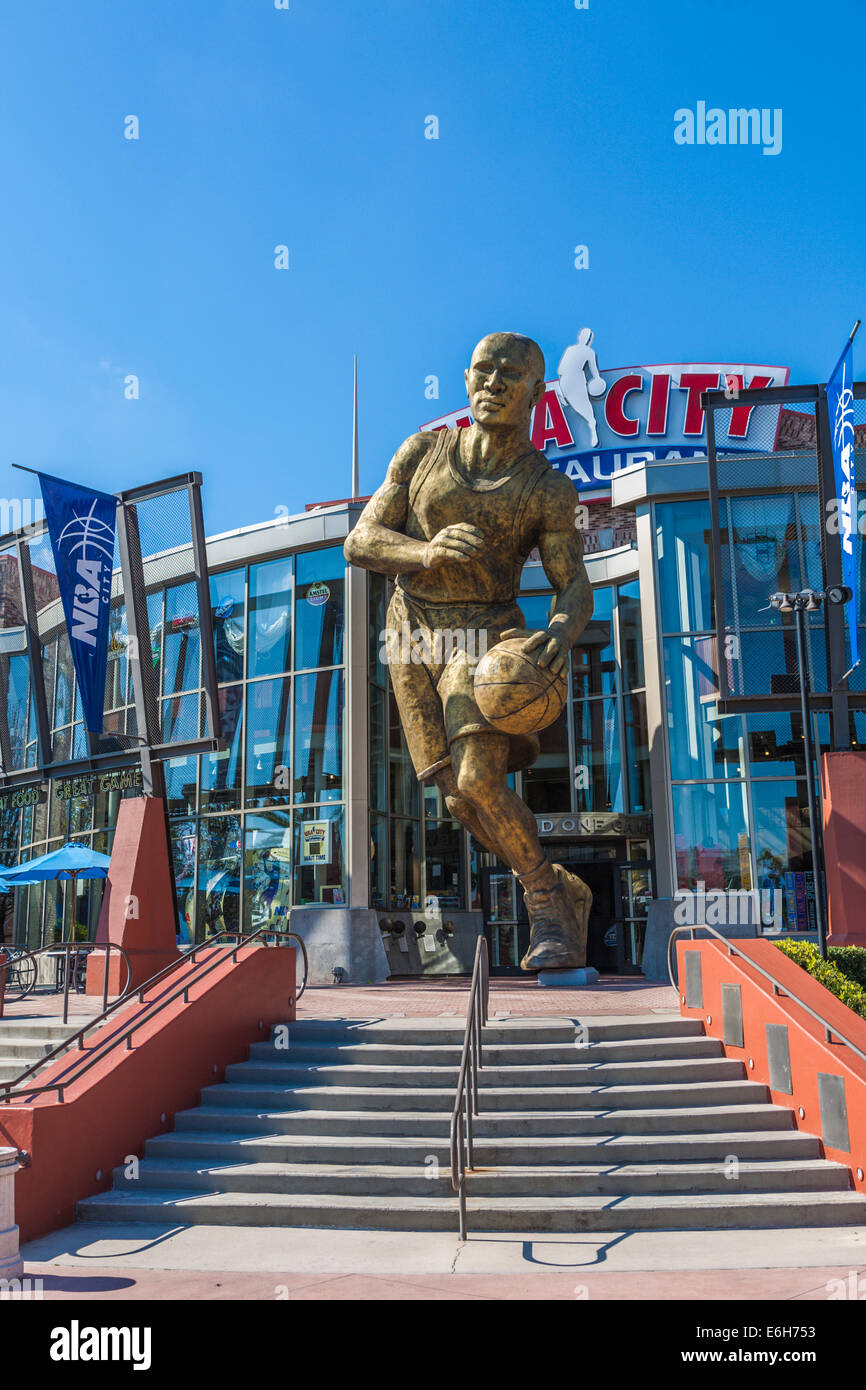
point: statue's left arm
(560, 545)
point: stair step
(211, 1146)
(576, 1072)
(442, 1031)
(528, 1098)
(509, 1124)
(695, 1211)
(495, 1054)
(431, 1178)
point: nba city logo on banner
(81, 526)
(592, 423)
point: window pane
(445, 874)
(227, 603)
(598, 770)
(378, 753)
(683, 547)
(318, 762)
(319, 875)
(593, 659)
(775, 745)
(783, 850)
(405, 865)
(535, 609)
(378, 862)
(268, 741)
(402, 780)
(630, 636)
(221, 772)
(711, 836)
(637, 753)
(180, 779)
(547, 783)
(219, 882)
(181, 645)
(765, 557)
(270, 618)
(701, 744)
(319, 608)
(378, 607)
(183, 847)
(268, 870)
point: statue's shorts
(432, 650)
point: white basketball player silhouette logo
(579, 378)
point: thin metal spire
(356, 486)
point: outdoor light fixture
(420, 928)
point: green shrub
(828, 972)
(851, 960)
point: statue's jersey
(441, 494)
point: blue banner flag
(81, 526)
(840, 404)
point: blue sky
(305, 127)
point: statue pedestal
(568, 979)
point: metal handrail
(471, 1062)
(67, 947)
(156, 1006)
(778, 987)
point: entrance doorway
(621, 890)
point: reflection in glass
(268, 870)
(219, 883)
(378, 754)
(319, 608)
(593, 660)
(702, 745)
(598, 766)
(630, 636)
(683, 550)
(318, 761)
(270, 617)
(227, 605)
(637, 752)
(711, 835)
(403, 783)
(183, 850)
(268, 741)
(221, 772)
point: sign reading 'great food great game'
(592, 424)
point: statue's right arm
(378, 541)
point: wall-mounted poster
(316, 842)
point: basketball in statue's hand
(514, 693)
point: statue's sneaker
(553, 930)
(579, 897)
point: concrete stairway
(646, 1126)
(24, 1041)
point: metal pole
(800, 627)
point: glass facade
(256, 828)
(738, 781)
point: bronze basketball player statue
(454, 521)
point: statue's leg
(557, 924)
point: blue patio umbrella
(70, 862)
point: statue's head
(585, 336)
(505, 380)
